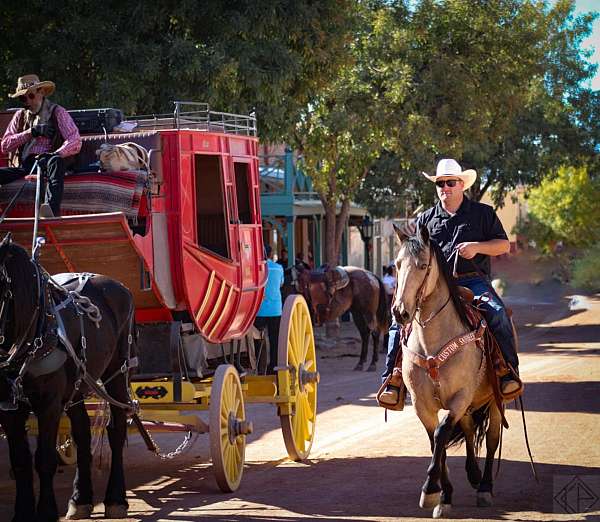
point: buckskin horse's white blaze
(461, 388)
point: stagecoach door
(248, 221)
(211, 205)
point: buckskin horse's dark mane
(415, 247)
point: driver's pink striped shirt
(12, 139)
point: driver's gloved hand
(43, 129)
(44, 158)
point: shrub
(568, 203)
(586, 270)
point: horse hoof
(358, 367)
(474, 477)
(115, 511)
(442, 511)
(484, 499)
(429, 500)
(371, 368)
(79, 512)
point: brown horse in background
(330, 292)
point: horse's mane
(415, 247)
(23, 286)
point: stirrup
(398, 404)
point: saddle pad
(85, 193)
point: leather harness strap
(432, 363)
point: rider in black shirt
(473, 231)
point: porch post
(290, 232)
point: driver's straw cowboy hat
(449, 168)
(29, 82)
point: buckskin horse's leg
(431, 490)
(471, 466)
(81, 501)
(115, 502)
(13, 424)
(492, 438)
(442, 510)
(48, 407)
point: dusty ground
(362, 468)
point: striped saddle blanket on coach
(85, 193)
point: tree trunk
(334, 229)
(331, 253)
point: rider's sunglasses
(449, 182)
(30, 95)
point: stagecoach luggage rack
(96, 121)
(198, 116)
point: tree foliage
(568, 203)
(498, 85)
(346, 125)
(267, 55)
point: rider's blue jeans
(495, 315)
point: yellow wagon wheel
(66, 449)
(228, 428)
(297, 353)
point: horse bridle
(420, 299)
(38, 315)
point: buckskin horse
(330, 292)
(444, 367)
(40, 320)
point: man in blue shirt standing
(269, 313)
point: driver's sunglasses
(449, 182)
(24, 97)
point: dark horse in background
(330, 292)
(28, 321)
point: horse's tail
(481, 419)
(383, 310)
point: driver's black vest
(26, 120)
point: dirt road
(362, 468)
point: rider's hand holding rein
(493, 247)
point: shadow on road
(337, 489)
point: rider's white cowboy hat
(31, 81)
(449, 168)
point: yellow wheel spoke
(309, 365)
(307, 408)
(307, 339)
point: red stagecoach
(184, 234)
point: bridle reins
(38, 316)
(420, 297)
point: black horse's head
(18, 290)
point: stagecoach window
(242, 188)
(210, 205)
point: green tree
(568, 203)
(346, 124)
(498, 85)
(263, 55)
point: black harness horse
(56, 342)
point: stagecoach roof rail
(197, 116)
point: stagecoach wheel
(228, 428)
(297, 352)
(65, 447)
